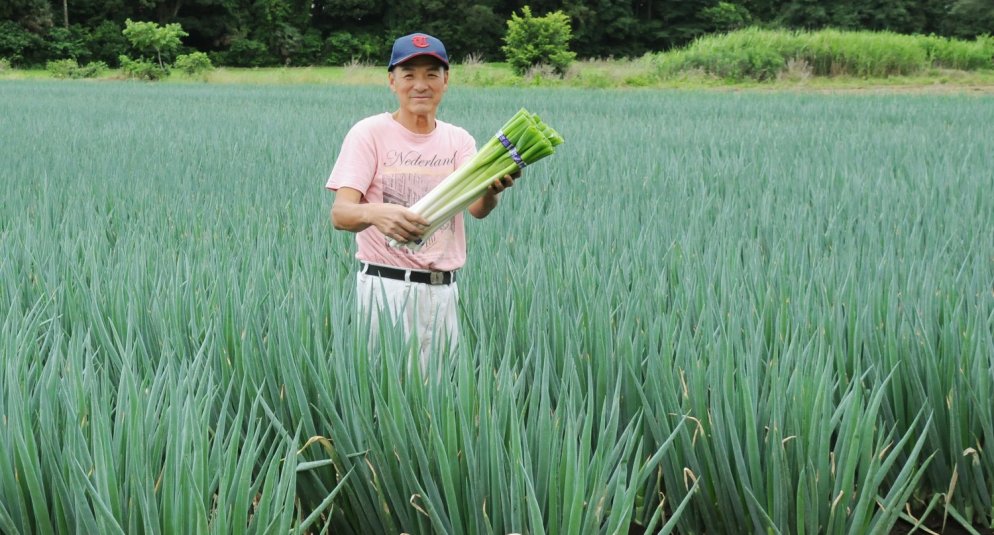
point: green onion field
(708, 312)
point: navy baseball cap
(417, 44)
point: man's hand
(393, 220)
(503, 183)
(397, 222)
(485, 204)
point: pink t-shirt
(386, 162)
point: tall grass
(707, 313)
(757, 54)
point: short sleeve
(466, 150)
(356, 163)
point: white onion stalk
(523, 140)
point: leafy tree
(925, 16)
(343, 47)
(247, 53)
(534, 40)
(351, 10)
(210, 23)
(817, 14)
(761, 10)
(282, 27)
(107, 42)
(69, 43)
(32, 15)
(970, 18)
(92, 13)
(465, 26)
(726, 16)
(165, 10)
(678, 22)
(149, 36)
(16, 44)
(310, 48)
(475, 28)
(268, 32)
(273, 25)
(607, 28)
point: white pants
(425, 311)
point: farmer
(387, 162)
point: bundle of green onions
(522, 141)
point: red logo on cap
(420, 41)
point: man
(388, 162)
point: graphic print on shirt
(409, 175)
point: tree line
(249, 33)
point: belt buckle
(436, 278)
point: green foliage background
(333, 32)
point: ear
(390, 79)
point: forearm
(484, 205)
(352, 217)
(393, 220)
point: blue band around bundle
(510, 148)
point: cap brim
(416, 54)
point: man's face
(419, 84)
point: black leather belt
(423, 277)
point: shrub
(61, 68)
(341, 48)
(69, 68)
(4, 64)
(532, 41)
(193, 63)
(92, 69)
(142, 69)
(245, 52)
